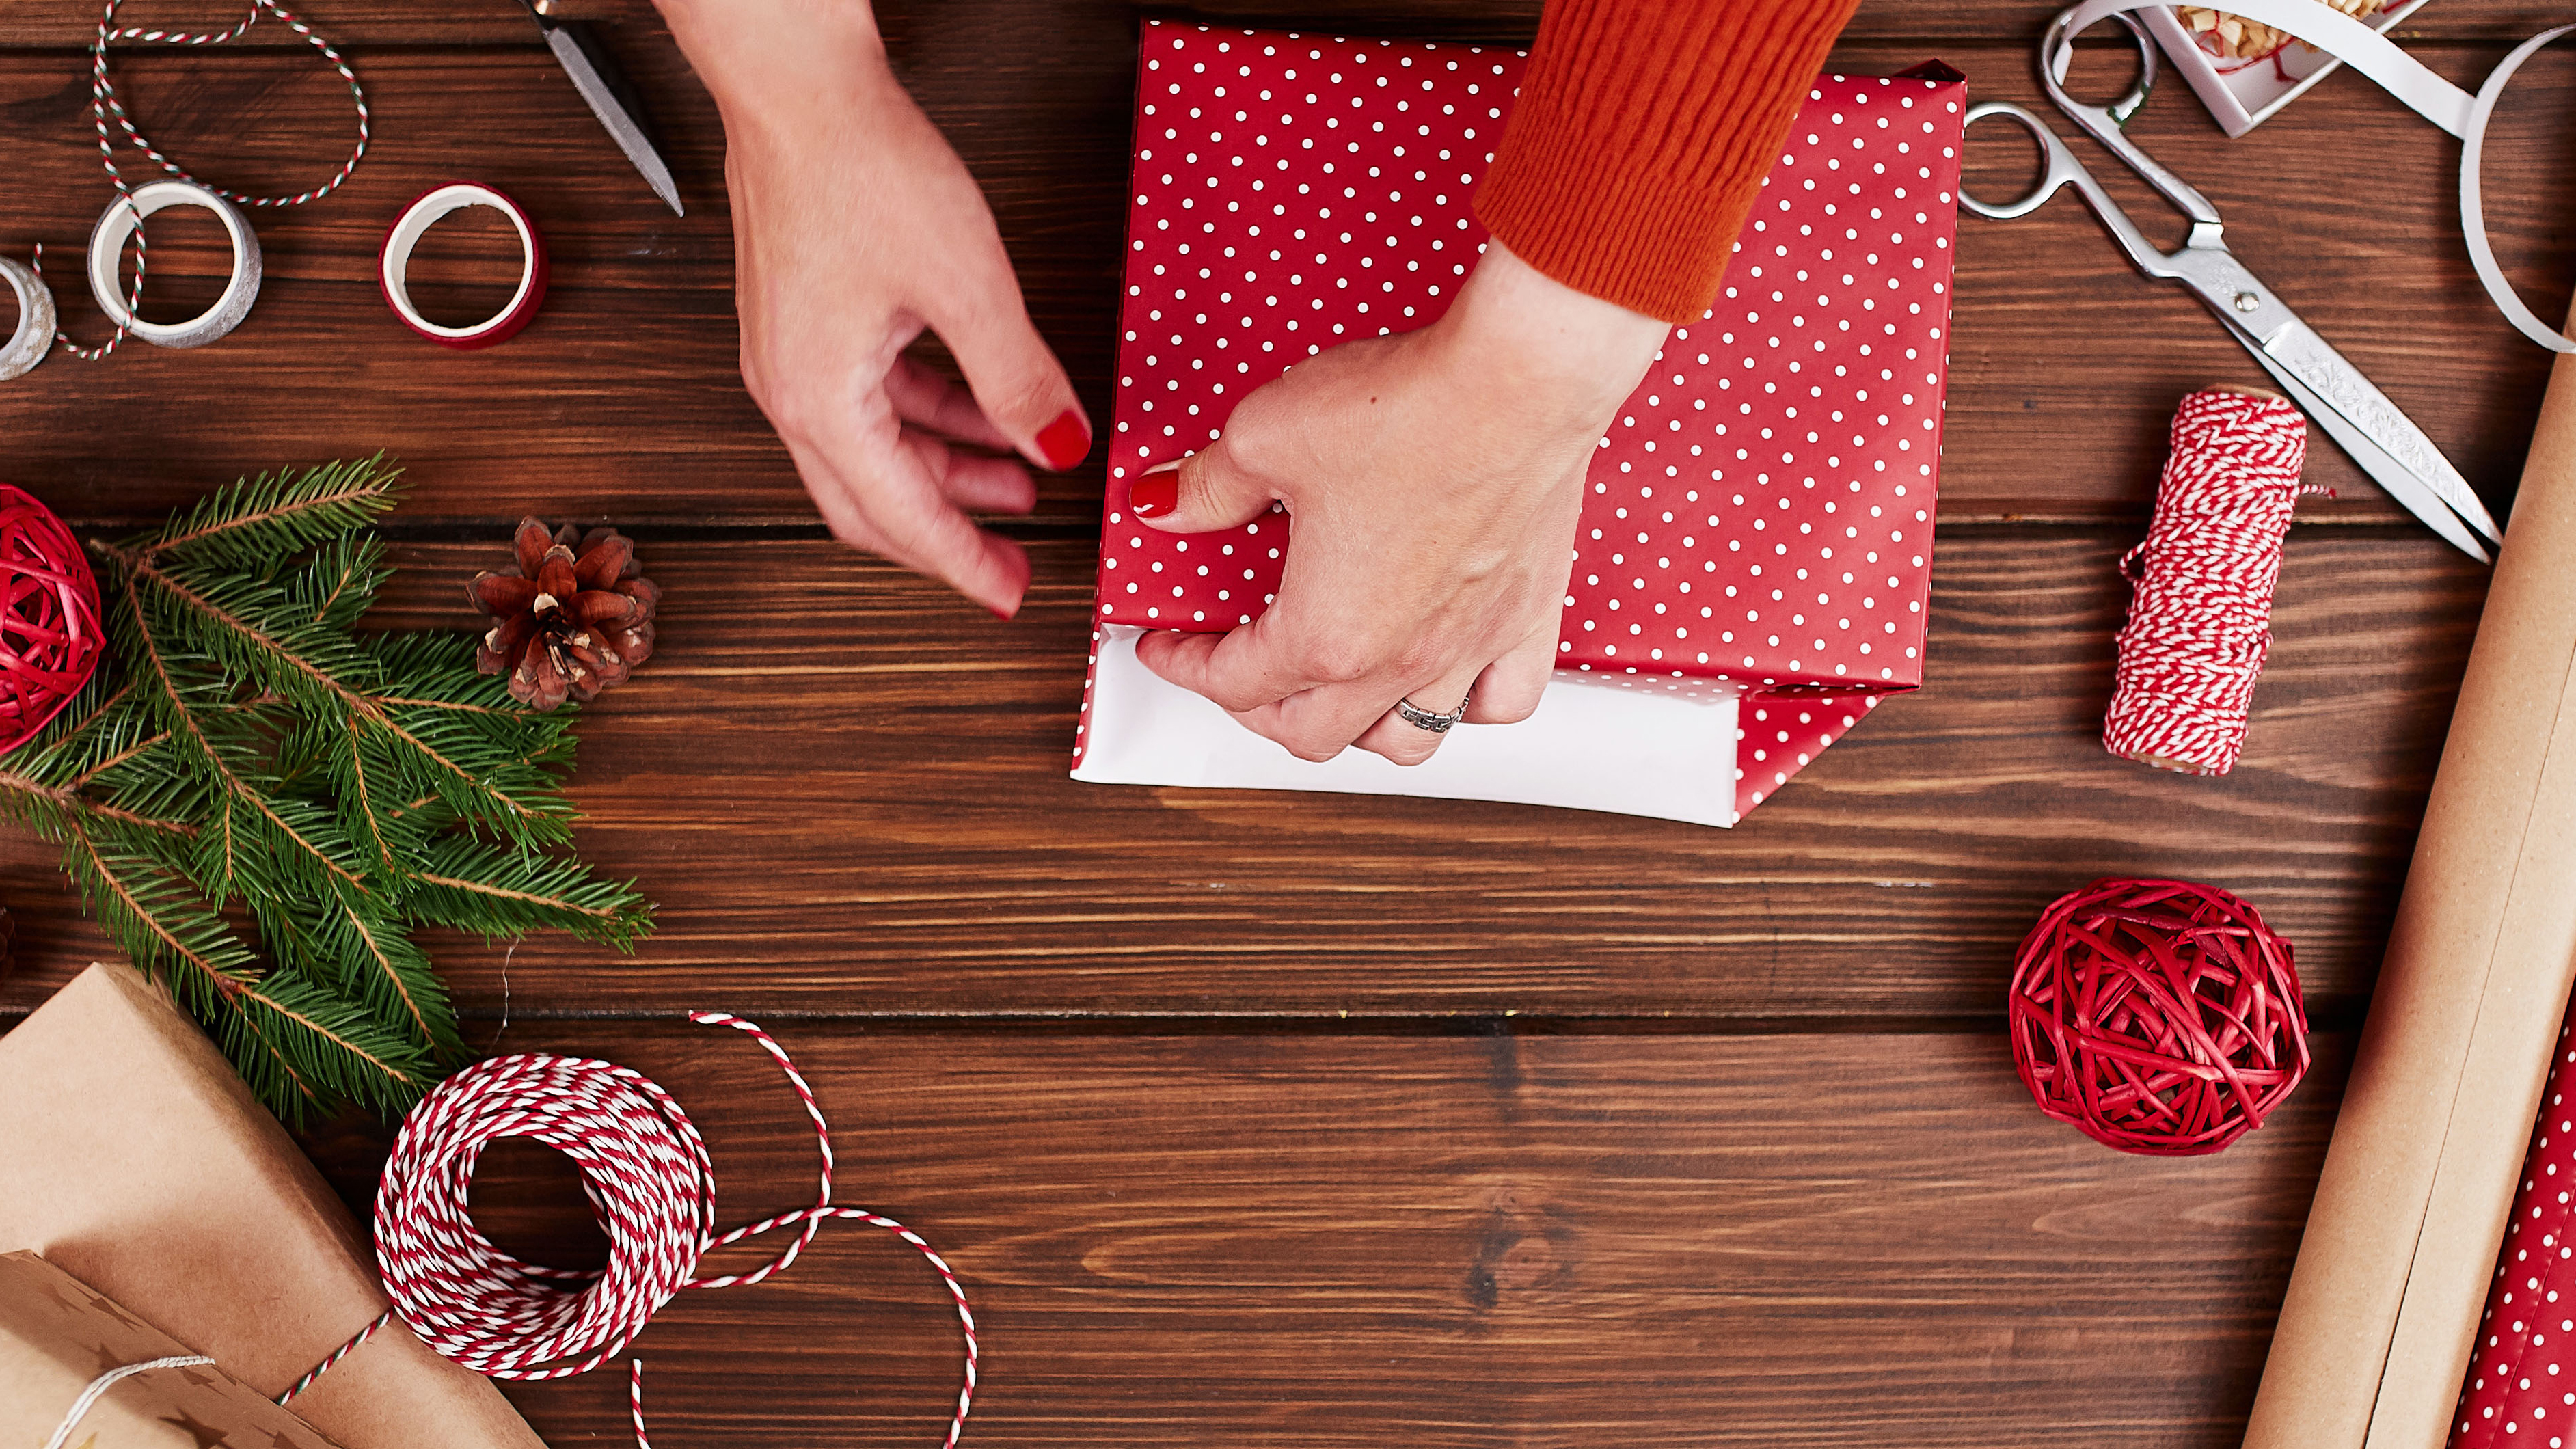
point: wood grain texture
(1528, 1241)
(1266, 1119)
(623, 398)
(848, 793)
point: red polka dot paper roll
(2521, 1389)
(1759, 517)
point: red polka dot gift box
(1752, 565)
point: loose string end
(635, 1398)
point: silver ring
(107, 243)
(35, 335)
(1423, 719)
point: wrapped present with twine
(133, 1159)
(78, 1371)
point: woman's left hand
(1433, 482)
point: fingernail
(1066, 440)
(1002, 614)
(1156, 493)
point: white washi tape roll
(107, 243)
(35, 335)
(394, 261)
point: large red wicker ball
(49, 629)
(2157, 1016)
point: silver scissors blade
(2350, 396)
(2393, 451)
(2401, 483)
(591, 75)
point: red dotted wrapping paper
(1760, 516)
(2521, 1389)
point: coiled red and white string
(2200, 621)
(104, 104)
(650, 1184)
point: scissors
(612, 97)
(2387, 445)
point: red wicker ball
(2157, 1016)
(50, 636)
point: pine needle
(249, 745)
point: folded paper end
(1595, 744)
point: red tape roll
(394, 259)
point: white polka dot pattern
(1760, 514)
(2522, 1378)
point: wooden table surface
(1265, 1119)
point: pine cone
(568, 621)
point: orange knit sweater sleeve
(1643, 130)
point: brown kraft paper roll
(2377, 1326)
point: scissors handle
(2062, 170)
(2106, 123)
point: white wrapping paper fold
(1633, 749)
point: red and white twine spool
(2200, 621)
(650, 1183)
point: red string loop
(104, 103)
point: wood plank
(623, 398)
(848, 792)
(377, 23)
(1657, 1240)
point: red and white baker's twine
(650, 1182)
(103, 103)
(2200, 622)
(332, 1360)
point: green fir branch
(350, 944)
(299, 1044)
(260, 521)
(248, 744)
(255, 628)
(471, 885)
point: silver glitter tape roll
(35, 335)
(117, 223)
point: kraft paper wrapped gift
(58, 1336)
(137, 1161)
(1755, 551)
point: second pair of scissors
(2331, 391)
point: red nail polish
(1066, 441)
(1001, 614)
(1156, 494)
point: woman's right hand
(1433, 480)
(856, 228)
